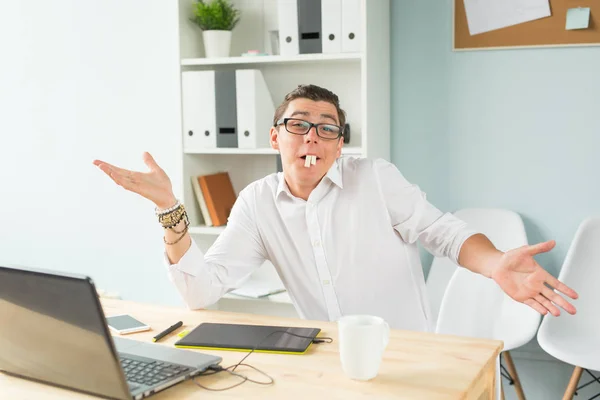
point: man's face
(294, 147)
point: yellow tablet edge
(244, 350)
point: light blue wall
(516, 129)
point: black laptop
(53, 330)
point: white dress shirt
(351, 248)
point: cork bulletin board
(546, 32)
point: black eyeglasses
(302, 127)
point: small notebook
(261, 338)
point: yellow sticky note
(578, 18)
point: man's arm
(155, 186)
(415, 219)
(176, 250)
(515, 271)
(479, 255)
(200, 279)
(518, 274)
(176, 244)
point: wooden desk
(415, 365)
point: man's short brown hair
(314, 93)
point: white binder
(310, 26)
(199, 110)
(331, 25)
(287, 16)
(255, 109)
(351, 26)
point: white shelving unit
(360, 79)
(354, 151)
(258, 60)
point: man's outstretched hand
(524, 280)
(154, 185)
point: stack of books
(215, 197)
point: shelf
(352, 151)
(231, 150)
(254, 60)
(345, 150)
(206, 230)
(282, 298)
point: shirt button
(316, 243)
(326, 282)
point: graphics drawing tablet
(272, 339)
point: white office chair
(440, 273)
(473, 305)
(504, 228)
(575, 339)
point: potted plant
(216, 18)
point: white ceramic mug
(362, 340)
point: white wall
(78, 81)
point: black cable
(265, 338)
(214, 369)
(271, 380)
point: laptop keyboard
(149, 372)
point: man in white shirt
(341, 232)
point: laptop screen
(52, 329)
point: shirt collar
(334, 175)
(282, 187)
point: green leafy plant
(215, 15)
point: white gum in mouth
(310, 160)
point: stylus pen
(166, 331)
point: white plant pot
(216, 43)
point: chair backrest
(580, 271)
(439, 276)
(473, 305)
(504, 228)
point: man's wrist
(479, 255)
(495, 260)
(166, 204)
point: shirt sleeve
(202, 279)
(414, 218)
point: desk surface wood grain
(415, 365)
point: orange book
(219, 196)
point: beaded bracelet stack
(171, 217)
